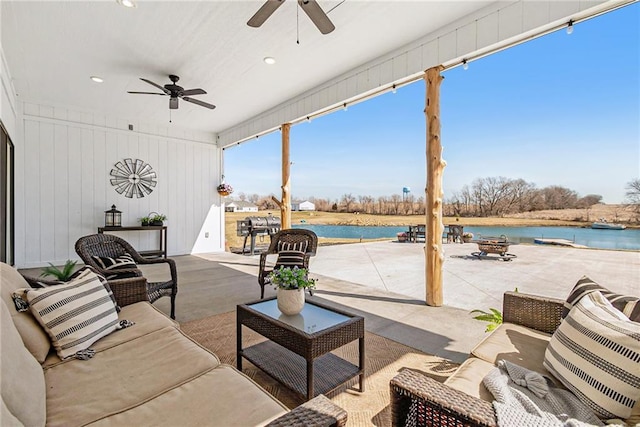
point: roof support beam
(434, 256)
(285, 204)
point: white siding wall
(63, 164)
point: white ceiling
(53, 47)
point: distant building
(303, 206)
(240, 206)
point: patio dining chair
(455, 233)
(290, 241)
(117, 260)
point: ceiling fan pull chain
(170, 117)
(297, 24)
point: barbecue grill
(253, 226)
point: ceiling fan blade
(156, 85)
(147, 93)
(173, 103)
(200, 103)
(264, 13)
(190, 92)
(317, 15)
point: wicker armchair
(133, 289)
(284, 240)
(417, 400)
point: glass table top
(311, 319)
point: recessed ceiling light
(97, 79)
(127, 3)
(269, 60)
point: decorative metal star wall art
(133, 178)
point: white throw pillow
(75, 314)
(595, 353)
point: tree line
(490, 196)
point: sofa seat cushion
(516, 344)
(122, 377)
(34, 337)
(22, 386)
(223, 397)
(146, 319)
(468, 378)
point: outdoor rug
(384, 358)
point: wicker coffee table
(297, 352)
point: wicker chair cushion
(627, 304)
(290, 259)
(293, 246)
(123, 262)
(595, 353)
(75, 314)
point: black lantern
(112, 217)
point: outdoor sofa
(462, 400)
(146, 374)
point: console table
(162, 229)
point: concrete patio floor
(384, 282)
(469, 282)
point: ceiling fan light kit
(176, 92)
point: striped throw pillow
(75, 314)
(103, 280)
(595, 353)
(627, 304)
(123, 262)
(290, 259)
(299, 246)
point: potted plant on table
(290, 284)
(467, 237)
(402, 236)
(158, 219)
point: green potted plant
(493, 317)
(290, 284)
(145, 221)
(467, 237)
(158, 219)
(62, 275)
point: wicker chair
(283, 240)
(417, 400)
(129, 290)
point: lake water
(602, 239)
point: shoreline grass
(342, 218)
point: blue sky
(559, 110)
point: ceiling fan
(175, 92)
(310, 7)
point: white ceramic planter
(290, 301)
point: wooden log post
(434, 256)
(285, 204)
